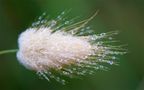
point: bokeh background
(127, 16)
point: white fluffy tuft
(39, 49)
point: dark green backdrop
(127, 16)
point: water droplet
(62, 13)
(44, 14)
(87, 27)
(113, 57)
(102, 34)
(100, 59)
(40, 18)
(110, 38)
(38, 22)
(53, 23)
(59, 18)
(63, 82)
(74, 69)
(110, 62)
(67, 22)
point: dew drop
(110, 62)
(110, 38)
(44, 14)
(102, 34)
(67, 22)
(113, 57)
(40, 18)
(53, 23)
(87, 27)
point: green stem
(8, 51)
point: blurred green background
(127, 16)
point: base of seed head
(60, 47)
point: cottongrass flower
(60, 48)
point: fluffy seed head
(60, 47)
(41, 50)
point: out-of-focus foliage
(123, 15)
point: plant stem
(8, 51)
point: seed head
(60, 47)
